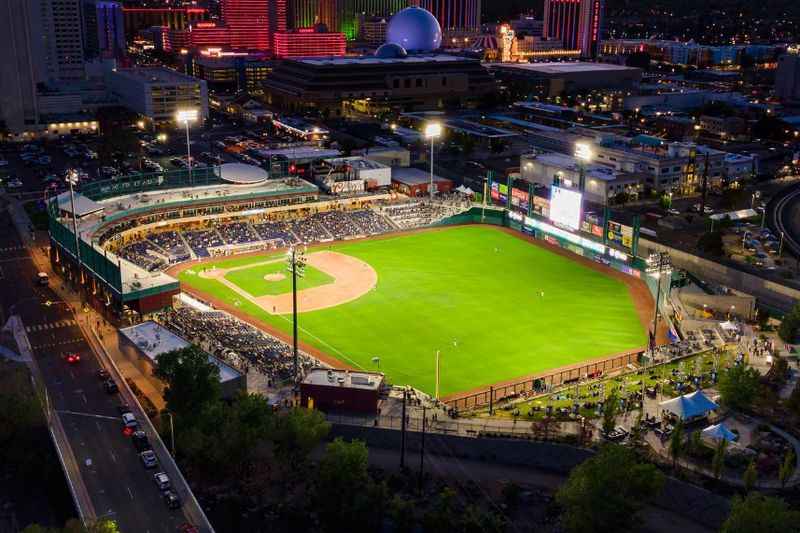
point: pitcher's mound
(275, 276)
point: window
(407, 83)
(444, 81)
(419, 82)
(395, 84)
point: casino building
(405, 74)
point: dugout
(346, 391)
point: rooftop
(355, 162)
(568, 68)
(344, 378)
(372, 60)
(599, 172)
(154, 340)
(413, 176)
(155, 75)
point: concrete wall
(767, 292)
(690, 501)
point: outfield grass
(252, 279)
(472, 292)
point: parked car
(14, 183)
(140, 441)
(110, 386)
(149, 459)
(172, 500)
(162, 481)
(129, 421)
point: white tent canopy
(718, 432)
(689, 406)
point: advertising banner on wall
(565, 207)
(620, 234)
(519, 200)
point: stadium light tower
(584, 155)
(185, 116)
(433, 130)
(658, 264)
(296, 264)
(72, 178)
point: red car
(71, 357)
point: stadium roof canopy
(689, 406)
(242, 174)
(83, 205)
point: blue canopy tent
(718, 432)
(690, 406)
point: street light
(432, 131)
(186, 116)
(296, 264)
(658, 263)
(583, 153)
(72, 178)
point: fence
(542, 382)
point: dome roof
(390, 51)
(415, 29)
(242, 174)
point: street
(117, 484)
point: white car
(130, 421)
(162, 481)
(3, 163)
(149, 459)
(14, 183)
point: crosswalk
(49, 325)
(11, 249)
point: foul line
(304, 330)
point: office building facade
(787, 78)
(578, 23)
(103, 29)
(136, 19)
(305, 42)
(61, 39)
(253, 23)
(19, 69)
(454, 16)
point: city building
(554, 79)
(308, 42)
(199, 35)
(456, 17)
(19, 69)
(144, 343)
(157, 93)
(428, 81)
(723, 127)
(231, 72)
(691, 53)
(307, 13)
(137, 19)
(252, 23)
(787, 78)
(104, 29)
(373, 30)
(602, 182)
(577, 23)
(61, 38)
(415, 182)
(346, 391)
(353, 12)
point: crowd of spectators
(167, 247)
(239, 344)
(201, 240)
(237, 233)
(172, 244)
(144, 254)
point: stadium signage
(565, 207)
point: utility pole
(403, 433)
(422, 450)
(704, 188)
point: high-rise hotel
(578, 23)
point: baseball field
(495, 306)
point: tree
(75, 526)
(761, 514)
(401, 512)
(787, 467)
(610, 408)
(441, 515)
(192, 381)
(718, 461)
(676, 444)
(712, 243)
(763, 319)
(345, 496)
(750, 476)
(793, 402)
(790, 325)
(739, 386)
(621, 198)
(298, 432)
(605, 492)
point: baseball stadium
(447, 296)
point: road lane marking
(92, 415)
(113, 457)
(130, 492)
